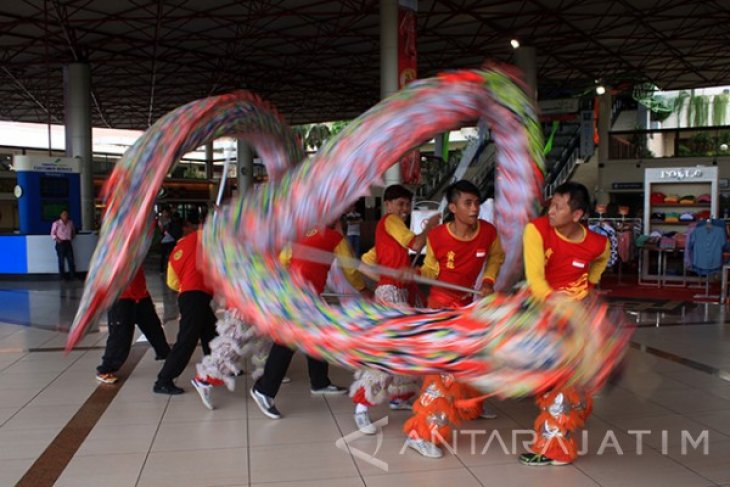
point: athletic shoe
(170, 389)
(108, 378)
(362, 420)
(205, 391)
(538, 460)
(396, 404)
(487, 413)
(330, 390)
(425, 448)
(265, 404)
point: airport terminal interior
(626, 99)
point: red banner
(410, 164)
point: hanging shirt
(328, 240)
(554, 263)
(605, 229)
(456, 261)
(707, 244)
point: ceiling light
(600, 90)
(514, 43)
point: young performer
(392, 241)
(562, 257)
(133, 306)
(456, 253)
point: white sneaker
(397, 404)
(487, 413)
(204, 390)
(425, 448)
(362, 420)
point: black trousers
(165, 251)
(122, 317)
(277, 364)
(197, 322)
(65, 252)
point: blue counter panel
(13, 255)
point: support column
(526, 60)
(209, 161)
(604, 126)
(77, 114)
(244, 166)
(389, 67)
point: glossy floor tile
(666, 422)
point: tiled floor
(147, 439)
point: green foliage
(719, 108)
(701, 110)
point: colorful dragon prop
(506, 345)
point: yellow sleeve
(285, 256)
(599, 265)
(397, 229)
(534, 256)
(345, 258)
(495, 259)
(430, 267)
(173, 282)
(370, 257)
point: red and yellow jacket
(327, 240)
(183, 273)
(554, 263)
(456, 261)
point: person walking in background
(171, 231)
(63, 233)
(354, 221)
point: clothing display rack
(675, 198)
(619, 226)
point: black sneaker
(330, 390)
(170, 389)
(538, 460)
(265, 404)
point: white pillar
(77, 114)
(526, 60)
(389, 67)
(244, 166)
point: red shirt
(183, 273)
(567, 263)
(137, 289)
(457, 262)
(324, 239)
(392, 238)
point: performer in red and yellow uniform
(392, 241)
(314, 270)
(562, 257)
(133, 306)
(197, 320)
(456, 253)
